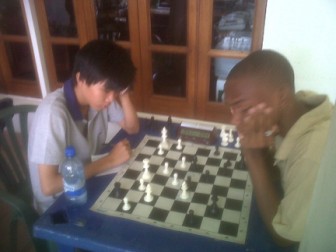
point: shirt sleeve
(298, 182)
(115, 112)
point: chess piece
(164, 141)
(207, 176)
(230, 136)
(214, 209)
(116, 190)
(166, 170)
(216, 153)
(160, 152)
(146, 174)
(126, 205)
(175, 179)
(237, 144)
(224, 136)
(148, 197)
(142, 186)
(191, 217)
(183, 162)
(184, 193)
(179, 144)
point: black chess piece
(207, 176)
(116, 190)
(214, 209)
(191, 217)
(216, 153)
(189, 182)
(169, 124)
(151, 125)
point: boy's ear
(285, 93)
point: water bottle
(72, 170)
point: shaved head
(267, 65)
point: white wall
(305, 32)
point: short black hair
(101, 60)
(266, 64)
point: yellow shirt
(298, 157)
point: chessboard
(199, 189)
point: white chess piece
(237, 144)
(146, 173)
(175, 180)
(166, 170)
(225, 137)
(231, 138)
(184, 193)
(183, 162)
(160, 152)
(126, 205)
(164, 141)
(179, 144)
(142, 185)
(148, 197)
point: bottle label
(74, 190)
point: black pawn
(214, 209)
(116, 190)
(152, 123)
(191, 217)
(216, 153)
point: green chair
(14, 173)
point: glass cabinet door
(167, 39)
(232, 33)
(17, 64)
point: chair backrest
(13, 150)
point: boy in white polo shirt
(78, 114)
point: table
(79, 227)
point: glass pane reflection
(112, 19)
(20, 60)
(220, 68)
(169, 74)
(61, 18)
(168, 22)
(11, 19)
(64, 56)
(233, 24)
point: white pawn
(184, 193)
(183, 163)
(231, 138)
(237, 144)
(166, 170)
(175, 180)
(179, 144)
(146, 174)
(160, 152)
(142, 185)
(126, 205)
(148, 197)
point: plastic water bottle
(72, 170)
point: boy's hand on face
(121, 152)
(257, 129)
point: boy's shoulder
(53, 103)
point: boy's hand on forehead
(258, 127)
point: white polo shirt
(58, 123)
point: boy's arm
(51, 181)
(258, 154)
(267, 193)
(130, 123)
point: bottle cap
(70, 151)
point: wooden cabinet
(182, 49)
